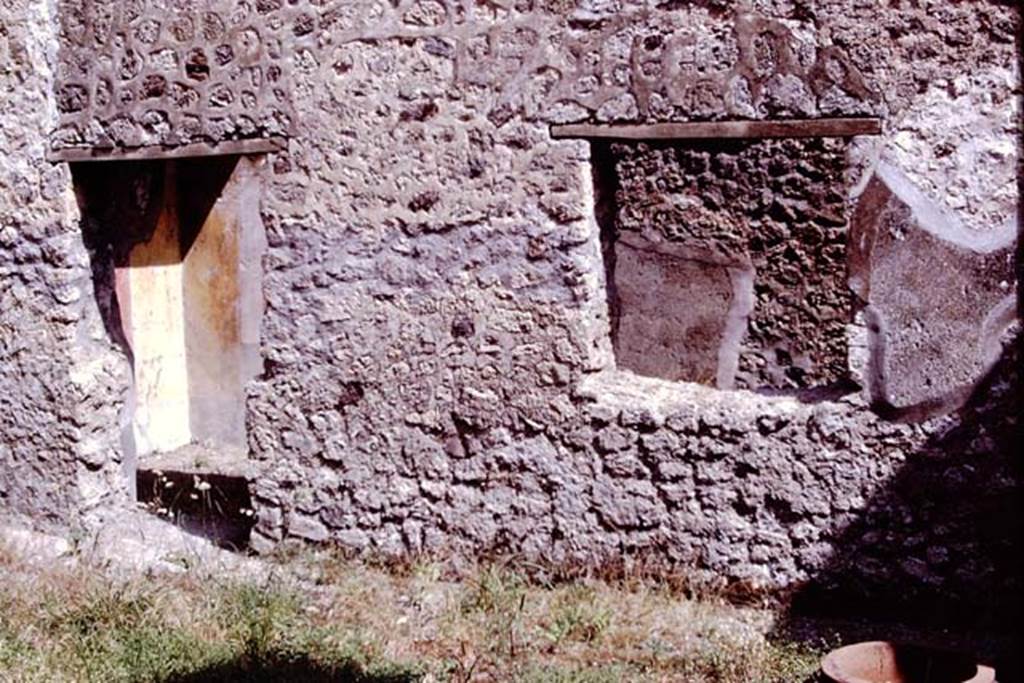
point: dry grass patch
(492, 623)
(323, 618)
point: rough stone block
(232, 84)
(938, 297)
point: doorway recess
(176, 247)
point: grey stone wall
(438, 369)
(60, 380)
(434, 327)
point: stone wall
(135, 74)
(438, 372)
(60, 379)
(437, 310)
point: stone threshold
(709, 130)
(196, 149)
(203, 488)
(201, 460)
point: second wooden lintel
(708, 130)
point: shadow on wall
(954, 511)
(121, 202)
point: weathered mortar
(437, 363)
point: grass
(331, 619)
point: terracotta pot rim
(831, 667)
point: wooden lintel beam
(705, 130)
(196, 149)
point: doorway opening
(176, 247)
